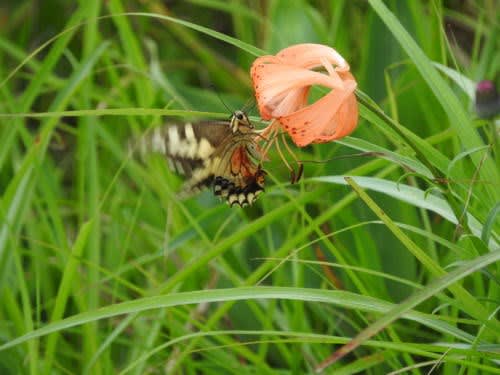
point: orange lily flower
(282, 84)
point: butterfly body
(220, 154)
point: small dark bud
(487, 100)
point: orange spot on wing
(241, 163)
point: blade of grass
(133, 51)
(116, 112)
(205, 30)
(454, 109)
(404, 161)
(397, 311)
(69, 275)
(35, 85)
(335, 297)
(87, 177)
(413, 196)
(24, 181)
(470, 305)
(424, 350)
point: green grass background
(104, 271)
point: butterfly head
(240, 122)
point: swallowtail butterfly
(217, 154)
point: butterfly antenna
(223, 103)
(249, 105)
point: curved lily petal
(325, 120)
(282, 84)
(308, 56)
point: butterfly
(218, 154)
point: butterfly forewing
(219, 154)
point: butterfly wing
(238, 179)
(210, 154)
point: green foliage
(104, 270)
